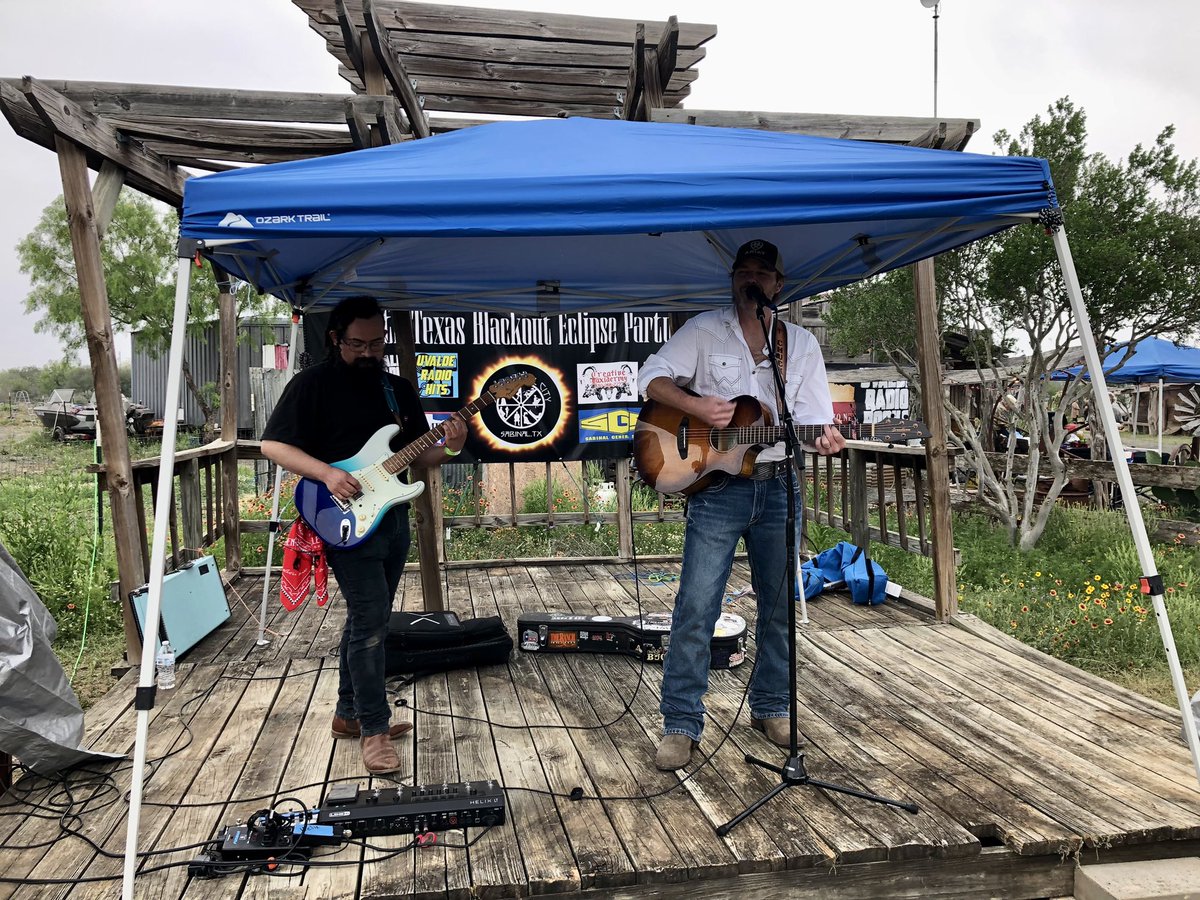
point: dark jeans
(368, 576)
(731, 508)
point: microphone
(755, 293)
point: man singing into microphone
(720, 355)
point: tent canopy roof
(555, 216)
(1152, 359)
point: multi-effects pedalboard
(365, 812)
(349, 812)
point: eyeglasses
(359, 346)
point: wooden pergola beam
(491, 23)
(394, 71)
(952, 133)
(69, 120)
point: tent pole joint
(1152, 585)
(143, 697)
(1051, 218)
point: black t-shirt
(330, 410)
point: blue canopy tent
(1153, 360)
(556, 216)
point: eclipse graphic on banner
(583, 403)
(532, 417)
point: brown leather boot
(674, 752)
(776, 730)
(349, 728)
(379, 756)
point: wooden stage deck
(1022, 767)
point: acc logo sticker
(614, 424)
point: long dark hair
(350, 309)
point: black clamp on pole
(143, 698)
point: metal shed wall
(203, 354)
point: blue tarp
(1153, 359)
(565, 215)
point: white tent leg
(262, 613)
(162, 516)
(1151, 581)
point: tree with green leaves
(138, 254)
(1135, 237)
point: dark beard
(367, 364)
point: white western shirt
(709, 356)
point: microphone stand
(792, 773)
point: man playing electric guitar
(326, 414)
(718, 356)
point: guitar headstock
(506, 387)
(891, 431)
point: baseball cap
(764, 251)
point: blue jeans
(716, 517)
(368, 576)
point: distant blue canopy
(1153, 359)
(565, 215)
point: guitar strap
(390, 393)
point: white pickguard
(380, 490)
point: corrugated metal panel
(202, 353)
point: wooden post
(97, 320)
(624, 508)
(191, 510)
(428, 506)
(859, 525)
(929, 361)
(231, 513)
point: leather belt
(764, 471)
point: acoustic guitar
(675, 455)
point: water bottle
(165, 665)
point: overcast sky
(1134, 67)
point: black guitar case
(419, 643)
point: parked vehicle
(65, 418)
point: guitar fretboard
(768, 434)
(402, 459)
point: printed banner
(583, 402)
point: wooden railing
(842, 489)
(199, 502)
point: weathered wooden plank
(885, 129)
(169, 101)
(201, 796)
(264, 774)
(546, 832)
(986, 741)
(1069, 720)
(1120, 700)
(933, 777)
(496, 868)
(433, 67)
(470, 20)
(645, 838)
(73, 122)
(530, 92)
(702, 853)
(98, 328)
(515, 51)
(174, 748)
(393, 67)
(198, 135)
(438, 871)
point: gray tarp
(41, 721)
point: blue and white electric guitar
(346, 523)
